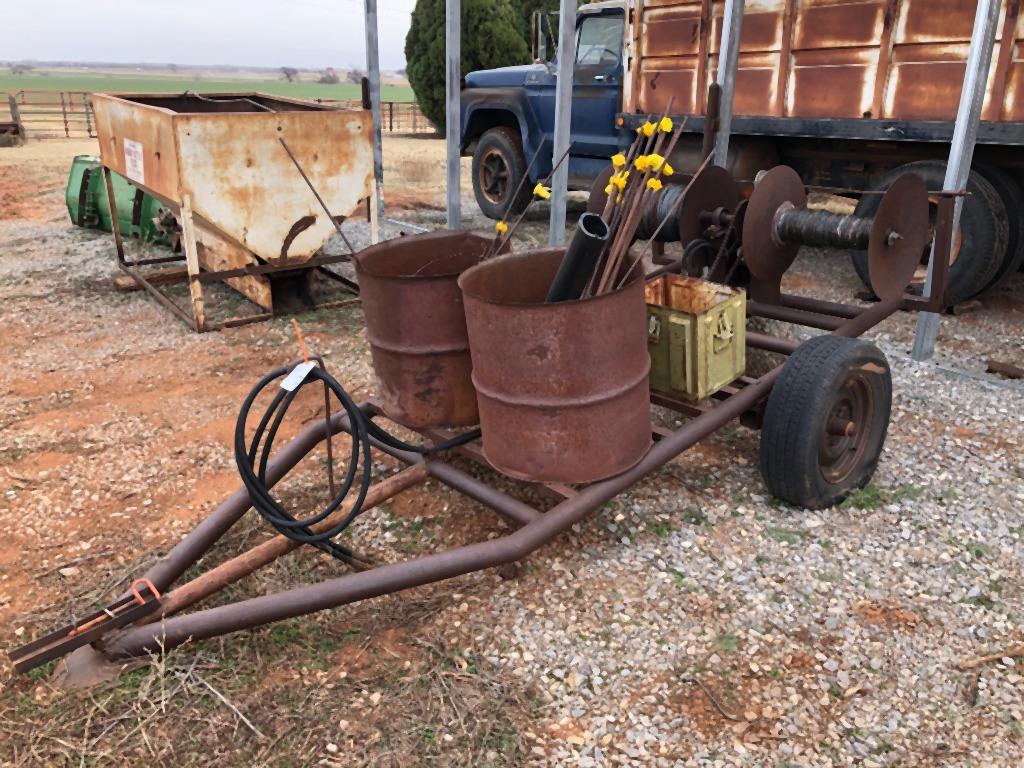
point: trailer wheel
(498, 167)
(1012, 197)
(980, 244)
(826, 421)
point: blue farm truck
(850, 94)
(508, 113)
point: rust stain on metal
(821, 58)
(563, 388)
(417, 328)
(298, 227)
(223, 151)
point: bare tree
(289, 73)
(21, 69)
(355, 76)
(329, 77)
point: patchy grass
(388, 682)
(786, 535)
(727, 643)
(301, 692)
(872, 497)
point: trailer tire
(498, 167)
(828, 381)
(984, 230)
(1012, 196)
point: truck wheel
(1012, 198)
(826, 421)
(498, 167)
(980, 245)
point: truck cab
(508, 114)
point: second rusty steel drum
(562, 387)
(416, 326)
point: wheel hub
(493, 176)
(846, 430)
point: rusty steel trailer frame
(162, 628)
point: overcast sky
(298, 33)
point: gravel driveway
(691, 621)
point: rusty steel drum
(416, 326)
(562, 387)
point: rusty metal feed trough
(221, 163)
(823, 415)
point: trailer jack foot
(86, 667)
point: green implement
(137, 212)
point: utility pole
(728, 61)
(373, 76)
(563, 119)
(961, 151)
(452, 76)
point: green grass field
(42, 80)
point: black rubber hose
(252, 460)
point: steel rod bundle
(636, 180)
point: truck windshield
(599, 40)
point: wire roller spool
(712, 192)
(778, 223)
(899, 236)
(767, 257)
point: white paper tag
(134, 168)
(297, 376)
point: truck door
(597, 84)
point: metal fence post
(373, 74)
(16, 117)
(961, 151)
(728, 59)
(563, 119)
(64, 112)
(88, 115)
(453, 74)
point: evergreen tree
(491, 37)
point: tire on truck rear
(1012, 196)
(498, 167)
(828, 383)
(983, 227)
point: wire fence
(396, 116)
(51, 114)
(68, 114)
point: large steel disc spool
(898, 237)
(766, 256)
(709, 190)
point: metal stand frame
(195, 276)
(164, 628)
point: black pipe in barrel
(580, 259)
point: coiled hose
(252, 460)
